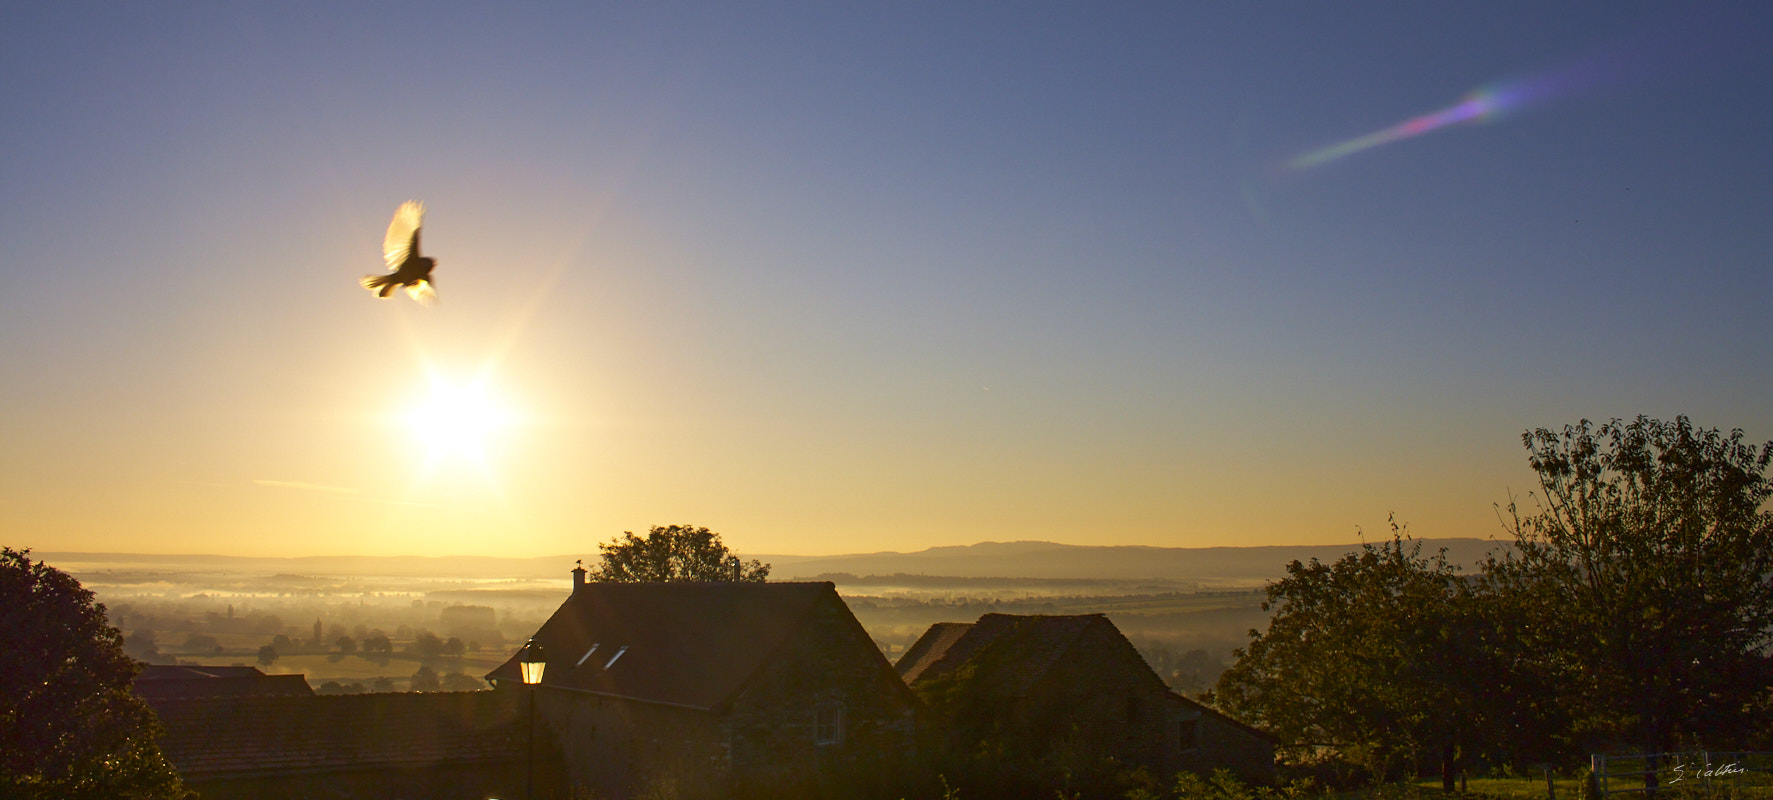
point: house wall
(1096, 708)
(1226, 745)
(616, 748)
(1122, 707)
(1105, 701)
(829, 660)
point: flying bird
(401, 250)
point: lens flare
(1483, 105)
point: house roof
(1020, 651)
(1029, 646)
(218, 736)
(160, 680)
(930, 648)
(679, 643)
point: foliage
(425, 680)
(674, 553)
(1646, 576)
(1366, 659)
(70, 725)
(268, 654)
(142, 645)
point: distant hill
(1208, 565)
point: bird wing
(403, 233)
(422, 292)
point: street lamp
(531, 660)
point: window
(828, 723)
(1188, 735)
(612, 659)
(586, 656)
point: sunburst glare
(459, 420)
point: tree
(425, 680)
(378, 642)
(1648, 570)
(268, 655)
(675, 553)
(70, 725)
(1362, 661)
(142, 645)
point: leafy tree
(346, 644)
(142, 645)
(1648, 571)
(425, 680)
(1361, 661)
(70, 726)
(426, 645)
(674, 553)
(268, 655)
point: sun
(458, 420)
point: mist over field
(372, 623)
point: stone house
(689, 689)
(1069, 693)
(277, 744)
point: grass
(1757, 785)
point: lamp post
(531, 660)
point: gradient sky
(843, 277)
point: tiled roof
(1030, 646)
(930, 648)
(1020, 649)
(687, 644)
(212, 736)
(163, 681)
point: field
(221, 614)
(1754, 784)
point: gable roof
(1018, 651)
(161, 680)
(1029, 646)
(678, 643)
(930, 648)
(218, 736)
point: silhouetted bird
(401, 251)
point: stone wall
(830, 663)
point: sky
(850, 277)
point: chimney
(579, 576)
